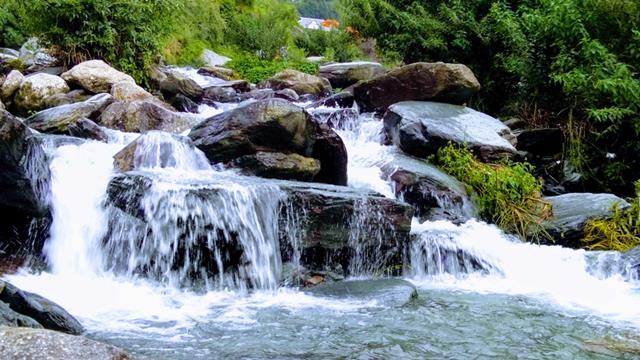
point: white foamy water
(553, 273)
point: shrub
(620, 231)
(255, 69)
(339, 44)
(11, 34)
(505, 194)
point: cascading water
(118, 269)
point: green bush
(11, 33)
(620, 231)
(254, 69)
(505, 194)
(335, 45)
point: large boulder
(58, 119)
(301, 83)
(129, 91)
(339, 227)
(450, 83)
(24, 169)
(8, 317)
(279, 166)
(141, 116)
(332, 153)
(210, 58)
(179, 83)
(421, 128)
(95, 76)
(433, 194)
(273, 124)
(47, 313)
(342, 75)
(87, 129)
(40, 344)
(10, 85)
(35, 89)
(572, 211)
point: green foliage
(572, 58)
(255, 69)
(319, 9)
(265, 27)
(11, 34)
(336, 45)
(506, 194)
(620, 231)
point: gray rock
(39, 344)
(301, 83)
(47, 313)
(58, 119)
(33, 54)
(87, 129)
(35, 89)
(332, 153)
(11, 85)
(387, 292)
(11, 318)
(178, 83)
(449, 83)
(7, 54)
(2, 106)
(95, 76)
(217, 71)
(572, 211)
(342, 75)
(72, 97)
(421, 128)
(141, 116)
(279, 166)
(24, 169)
(129, 91)
(210, 58)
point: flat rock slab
(387, 292)
(40, 344)
(420, 128)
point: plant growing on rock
(506, 194)
(619, 232)
(254, 69)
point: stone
(95, 76)
(24, 169)
(342, 75)
(342, 99)
(433, 194)
(129, 91)
(33, 54)
(217, 71)
(386, 292)
(40, 344)
(572, 211)
(87, 129)
(184, 104)
(7, 54)
(58, 119)
(11, 318)
(72, 97)
(224, 94)
(275, 125)
(11, 85)
(179, 83)
(421, 128)
(332, 224)
(141, 116)
(449, 83)
(332, 153)
(279, 166)
(35, 89)
(47, 313)
(301, 83)
(2, 106)
(210, 58)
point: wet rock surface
(57, 120)
(387, 292)
(342, 75)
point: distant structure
(318, 24)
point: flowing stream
(481, 294)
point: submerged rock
(40, 344)
(45, 312)
(572, 211)
(34, 89)
(449, 83)
(386, 292)
(421, 128)
(141, 116)
(279, 166)
(57, 120)
(301, 83)
(342, 75)
(95, 76)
